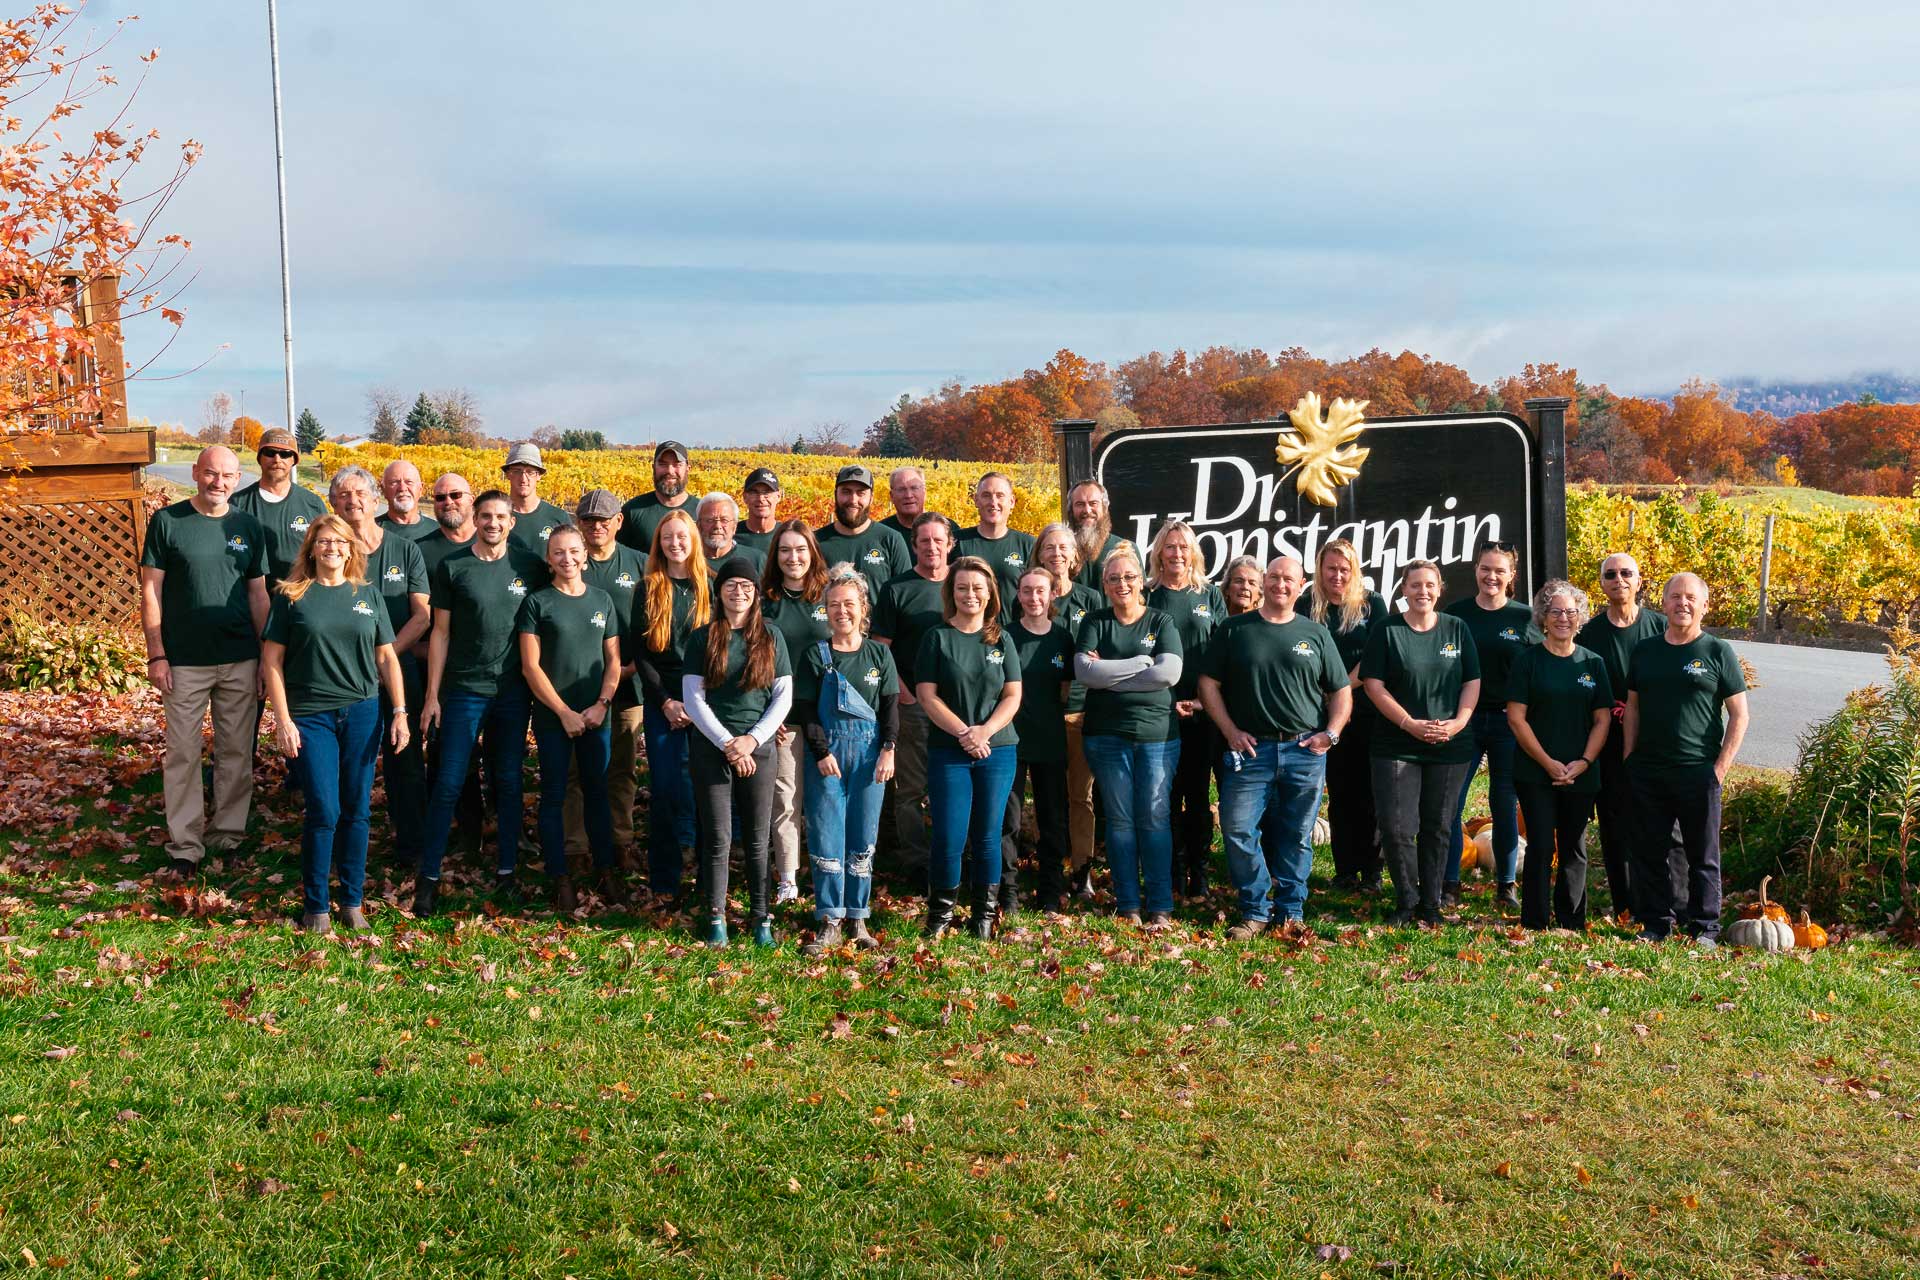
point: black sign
(1428, 488)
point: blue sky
(729, 222)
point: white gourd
(1761, 934)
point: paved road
(1798, 686)
(182, 473)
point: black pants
(1049, 782)
(1614, 808)
(719, 796)
(1556, 817)
(1191, 811)
(405, 772)
(1416, 807)
(1691, 798)
(1350, 812)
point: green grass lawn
(487, 1096)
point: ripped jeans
(843, 820)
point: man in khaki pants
(203, 605)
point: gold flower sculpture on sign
(1323, 448)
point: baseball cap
(670, 446)
(855, 474)
(761, 475)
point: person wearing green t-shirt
(1612, 634)
(969, 685)
(534, 518)
(1130, 658)
(1686, 717)
(907, 494)
(760, 499)
(474, 683)
(1073, 603)
(737, 688)
(327, 652)
(855, 537)
(1339, 601)
(285, 508)
(569, 638)
(1045, 649)
(642, 515)
(621, 573)
(718, 516)
(400, 486)
(994, 539)
(1560, 705)
(1502, 628)
(793, 588)
(676, 602)
(1274, 685)
(1423, 674)
(849, 694)
(203, 604)
(1178, 587)
(1088, 514)
(912, 605)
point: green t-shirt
(910, 607)
(205, 617)
(761, 542)
(482, 599)
(802, 624)
(642, 516)
(398, 571)
(1010, 554)
(869, 669)
(1352, 643)
(621, 576)
(1090, 573)
(330, 634)
(1046, 670)
(1424, 671)
(905, 529)
(1146, 716)
(737, 707)
(1195, 614)
(1615, 644)
(437, 546)
(670, 662)
(1274, 676)
(419, 531)
(286, 523)
(969, 675)
(1499, 636)
(1681, 688)
(1073, 609)
(738, 551)
(876, 551)
(530, 531)
(1561, 695)
(573, 633)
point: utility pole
(280, 172)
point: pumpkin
(1808, 934)
(1761, 934)
(1764, 910)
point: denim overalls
(843, 813)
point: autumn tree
(246, 432)
(77, 209)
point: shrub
(68, 657)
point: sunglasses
(1617, 573)
(1497, 546)
(278, 453)
(451, 497)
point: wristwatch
(1332, 737)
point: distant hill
(1783, 399)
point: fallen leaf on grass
(1504, 1169)
(1581, 1175)
(59, 1054)
(1333, 1253)
(267, 1187)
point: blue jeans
(1493, 740)
(843, 821)
(968, 798)
(462, 716)
(670, 800)
(1275, 791)
(337, 751)
(1136, 789)
(590, 751)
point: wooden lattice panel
(77, 558)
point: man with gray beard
(1092, 525)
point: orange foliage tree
(72, 215)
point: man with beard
(284, 509)
(400, 483)
(1007, 550)
(907, 491)
(718, 518)
(1092, 527)
(911, 606)
(533, 516)
(856, 537)
(642, 515)
(761, 494)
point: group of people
(897, 688)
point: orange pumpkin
(1764, 910)
(1808, 934)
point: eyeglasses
(278, 453)
(334, 543)
(1618, 573)
(1495, 545)
(455, 496)
(1563, 613)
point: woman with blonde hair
(1178, 587)
(1057, 551)
(792, 595)
(676, 601)
(1340, 601)
(326, 654)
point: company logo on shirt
(819, 613)
(546, 531)
(1014, 560)
(873, 676)
(1148, 642)
(1697, 668)
(393, 574)
(873, 556)
(1585, 681)
(1060, 662)
(624, 581)
(517, 587)
(299, 524)
(1302, 648)
(1449, 650)
(599, 619)
(1508, 633)
(237, 543)
(362, 608)
(1202, 611)
(996, 657)
(1079, 616)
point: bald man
(1273, 683)
(400, 485)
(203, 605)
(1685, 719)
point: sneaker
(825, 940)
(1246, 931)
(785, 891)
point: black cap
(735, 567)
(855, 474)
(761, 475)
(670, 446)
